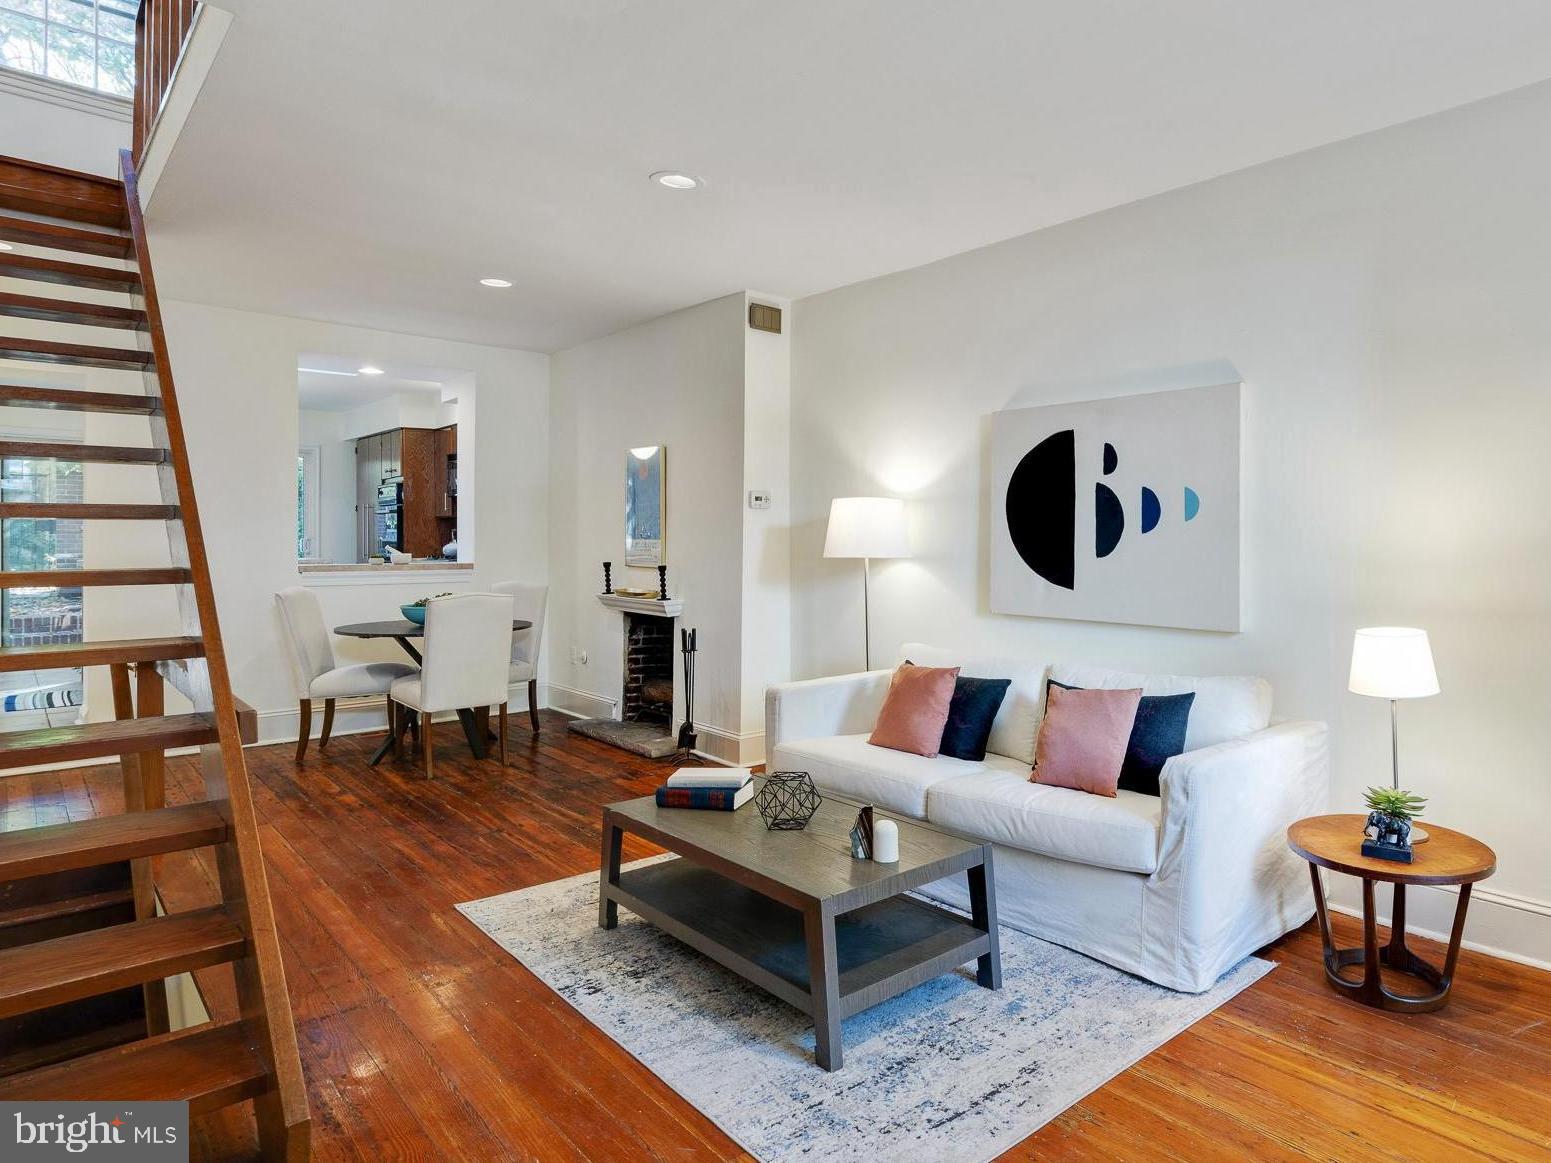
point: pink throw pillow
(1082, 741)
(915, 709)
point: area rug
(948, 1072)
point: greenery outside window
(90, 43)
(307, 547)
(40, 615)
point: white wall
(676, 381)
(44, 121)
(1384, 301)
(236, 381)
(767, 546)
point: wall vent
(765, 318)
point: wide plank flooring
(422, 1040)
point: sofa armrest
(818, 708)
(1226, 810)
(1221, 796)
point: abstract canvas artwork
(1119, 510)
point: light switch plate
(759, 499)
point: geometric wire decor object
(1123, 509)
(788, 800)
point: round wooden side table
(1448, 857)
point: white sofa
(1175, 888)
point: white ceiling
(333, 383)
(367, 162)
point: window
(40, 615)
(81, 42)
(307, 548)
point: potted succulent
(415, 611)
(1387, 834)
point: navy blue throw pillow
(1157, 736)
(970, 713)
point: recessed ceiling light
(324, 371)
(495, 282)
(675, 180)
(369, 370)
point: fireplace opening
(648, 687)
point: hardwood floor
(422, 1040)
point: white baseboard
(1499, 924)
(577, 703)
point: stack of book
(716, 789)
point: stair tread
(88, 453)
(58, 236)
(37, 188)
(70, 906)
(81, 965)
(69, 311)
(80, 354)
(87, 512)
(71, 578)
(105, 839)
(94, 740)
(70, 400)
(73, 274)
(207, 1066)
(99, 652)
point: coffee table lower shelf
(882, 949)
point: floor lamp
(866, 527)
(1394, 663)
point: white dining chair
(317, 673)
(464, 662)
(528, 602)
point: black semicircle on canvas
(1042, 508)
(1152, 510)
(1111, 458)
(1109, 520)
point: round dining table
(475, 720)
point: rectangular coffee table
(793, 913)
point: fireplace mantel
(671, 608)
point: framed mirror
(646, 506)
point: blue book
(715, 799)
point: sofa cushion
(1225, 707)
(1082, 740)
(896, 781)
(1157, 735)
(915, 709)
(970, 715)
(1017, 720)
(1004, 807)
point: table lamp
(867, 527)
(1394, 663)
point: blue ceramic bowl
(415, 614)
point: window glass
(81, 42)
(40, 615)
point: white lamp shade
(867, 527)
(1392, 662)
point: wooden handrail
(260, 977)
(161, 28)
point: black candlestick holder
(608, 581)
(662, 583)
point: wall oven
(388, 520)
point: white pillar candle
(885, 842)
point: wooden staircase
(91, 952)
